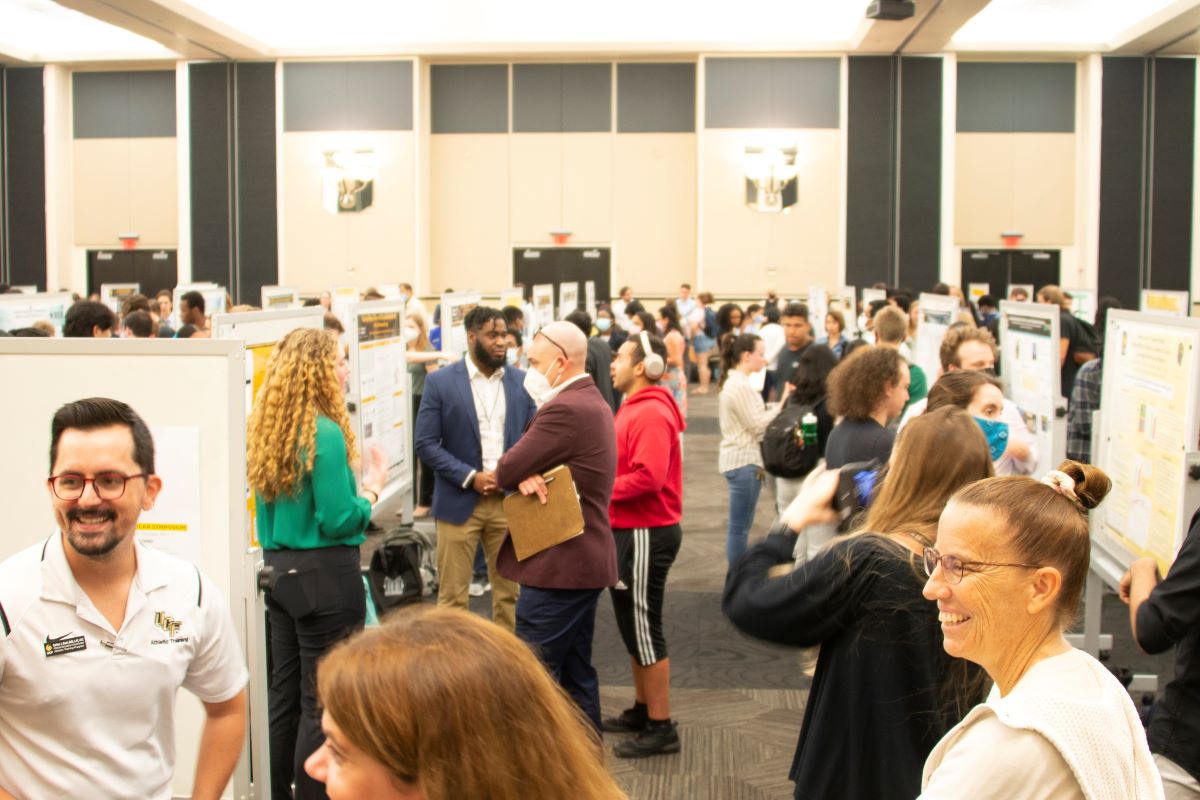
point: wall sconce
(348, 180)
(771, 185)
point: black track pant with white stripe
(644, 557)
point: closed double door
(557, 265)
(154, 270)
(1000, 269)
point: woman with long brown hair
(310, 521)
(439, 704)
(884, 691)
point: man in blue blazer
(471, 413)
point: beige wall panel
(587, 194)
(536, 191)
(1044, 187)
(372, 246)
(154, 199)
(1014, 181)
(469, 222)
(744, 250)
(654, 212)
(102, 191)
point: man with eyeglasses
(99, 632)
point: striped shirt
(744, 418)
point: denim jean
(744, 486)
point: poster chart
(1029, 341)
(341, 304)
(114, 294)
(211, 293)
(936, 313)
(589, 299)
(1165, 303)
(276, 298)
(978, 290)
(543, 304)
(22, 310)
(818, 307)
(174, 525)
(845, 302)
(455, 307)
(568, 298)
(513, 296)
(1083, 304)
(1149, 435)
(379, 367)
(871, 295)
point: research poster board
(871, 295)
(455, 307)
(513, 296)
(977, 290)
(1083, 304)
(1025, 287)
(589, 298)
(380, 368)
(568, 298)
(22, 310)
(1149, 434)
(114, 294)
(391, 291)
(1029, 341)
(846, 303)
(543, 304)
(199, 437)
(818, 307)
(205, 288)
(1165, 303)
(341, 304)
(279, 298)
(935, 314)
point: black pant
(318, 600)
(423, 475)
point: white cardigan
(1067, 730)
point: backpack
(710, 322)
(402, 570)
(784, 454)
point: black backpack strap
(4, 621)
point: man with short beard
(99, 632)
(471, 413)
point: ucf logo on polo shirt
(170, 626)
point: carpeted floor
(738, 701)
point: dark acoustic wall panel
(210, 88)
(587, 98)
(258, 240)
(562, 98)
(1122, 164)
(1008, 97)
(870, 191)
(537, 98)
(348, 96)
(772, 93)
(920, 174)
(469, 98)
(120, 105)
(656, 98)
(24, 237)
(1170, 256)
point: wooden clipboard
(535, 527)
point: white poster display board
(1149, 434)
(455, 308)
(259, 331)
(391, 291)
(341, 304)
(279, 298)
(25, 289)
(1029, 341)
(114, 294)
(818, 307)
(22, 310)
(1165, 303)
(935, 314)
(200, 437)
(589, 298)
(513, 296)
(847, 304)
(377, 354)
(871, 295)
(1083, 304)
(543, 303)
(977, 290)
(181, 289)
(568, 298)
(1024, 287)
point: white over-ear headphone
(651, 361)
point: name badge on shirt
(63, 644)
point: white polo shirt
(88, 711)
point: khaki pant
(456, 560)
(1177, 783)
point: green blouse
(325, 510)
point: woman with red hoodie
(645, 510)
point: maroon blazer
(575, 428)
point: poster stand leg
(258, 766)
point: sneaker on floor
(628, 721)
(653, 741)
(479, 587)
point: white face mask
(510, 356)
(538, 385)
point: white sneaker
(478, 588)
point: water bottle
(808, 428)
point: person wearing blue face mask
(609, 330)
(980, 395)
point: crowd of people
(919, 540)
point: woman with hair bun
(1007, 573)
(440, 704)
(310, 519)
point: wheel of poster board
(1149, 437)
(200, 454)
(1031, 373)
(383, 417)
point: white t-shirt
(87, 711)
(773, 341)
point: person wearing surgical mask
(979, 393)
(514, 354)
(422, 359)
(612, 333)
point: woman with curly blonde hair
(310, 521)
(439, 704)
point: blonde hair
(421, 343)
(459, 705)
(300, 383)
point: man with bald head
(556, 611)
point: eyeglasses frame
(53, 480)
(963, 565)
